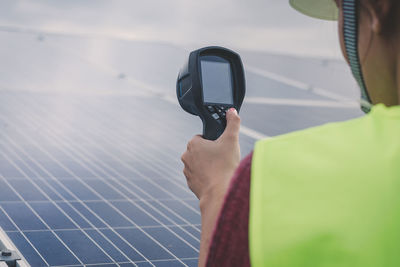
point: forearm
(210, 207)
(222, 248)
(208, 168)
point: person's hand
(210, 165)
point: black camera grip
(213, 129)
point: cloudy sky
(262, 25)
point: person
(325, 196)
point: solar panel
(92, 176)
(66, 204)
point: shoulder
(309, 187)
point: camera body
(211, 82)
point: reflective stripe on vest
(329, 195)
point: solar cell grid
(152, 229)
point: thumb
(232, 124)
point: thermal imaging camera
(211, 82)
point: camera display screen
(216, 79)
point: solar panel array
(92, 176)
(88, 191)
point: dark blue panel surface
(75, 215)
(6, 193)
(142, 264)
(154, 188)
(53, 216)
(190, 234)
(126, 190)
(84, 248)
(27, 190)
(162, 212)
(167, 263)
(26, 249)
(109, 214)
(150, 247)
(48, 190)
(103, 189)
(173, 242)
(191, 215)
(108, 246)
(124, 245)
(132, 210)
(5, 222)
(193, 230)
(176, 189)
(51, 248)
(82, 191)
(23, 217)
(93, 218)
(58, 186)
(191, 263)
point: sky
(258, 25)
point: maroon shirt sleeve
(230, 241)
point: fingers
(185, 160)
(189, 145)
(186, 169)
(196, 141)
(191, 148)
(232, 125)
(186, 172)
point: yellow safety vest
(328, 196)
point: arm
(210, 209)
(227, 249)
(209, 167)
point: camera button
(211, 108)
(215, 116)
